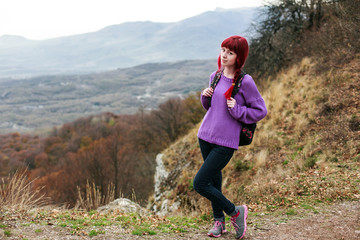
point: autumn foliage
(103, 150)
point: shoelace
(216, 225)
(233, 221)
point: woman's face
(228, 58)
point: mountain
(9, 41)
(124, 45)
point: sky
(44, 19)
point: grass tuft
(140, 231)
(94, 233)
(18, 194)
(92, 199)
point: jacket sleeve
(254, 109)
(205, 101)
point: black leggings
(208, 180)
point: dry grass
(18, 194)
(307, 154)
(93, 197)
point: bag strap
(236, 89)
(216, 79)
(238, 83)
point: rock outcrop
(122, 205)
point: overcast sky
(43, 19)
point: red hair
(238, 45)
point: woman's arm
(206, 94)
(255, 108)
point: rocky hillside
(306, 151)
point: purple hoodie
(221, 125)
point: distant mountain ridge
(124, 45)
(46, 101)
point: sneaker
(217, 230)
(239, 221)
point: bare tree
(169, 120)
(280, 31)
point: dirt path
(340, 221)
(337, 221)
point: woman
(220, 131)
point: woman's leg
(217, 210)
(206, 148)
(207, 181)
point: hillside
(123, 45)
(306, 151)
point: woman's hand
(231, 102)
(208, 92)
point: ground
(335, 221)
